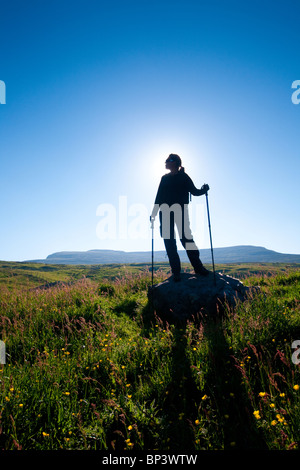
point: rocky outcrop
(196, 294)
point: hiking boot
(202, 271)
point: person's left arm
(195, 191)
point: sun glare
(158, 167)
(160, 155)
(158, 163)
(152, 165)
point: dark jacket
(175, 189)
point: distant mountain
(233, 254)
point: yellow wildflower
(280, 419)
(256, 414)
(296, 387)
(274, 422)
(262, 394)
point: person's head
(173, 163)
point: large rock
(196, 294)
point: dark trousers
(178, 217)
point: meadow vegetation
(90, 366)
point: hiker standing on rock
(172, 201)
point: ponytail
(176, 158)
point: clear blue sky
(98, 93)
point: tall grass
(89, 366)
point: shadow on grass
(222, 383)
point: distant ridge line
(232, 254)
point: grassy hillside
(89, 366)
(30, 275)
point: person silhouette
(171, 202)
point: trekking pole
(152, 264)
(152, 250)
(211, 247)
